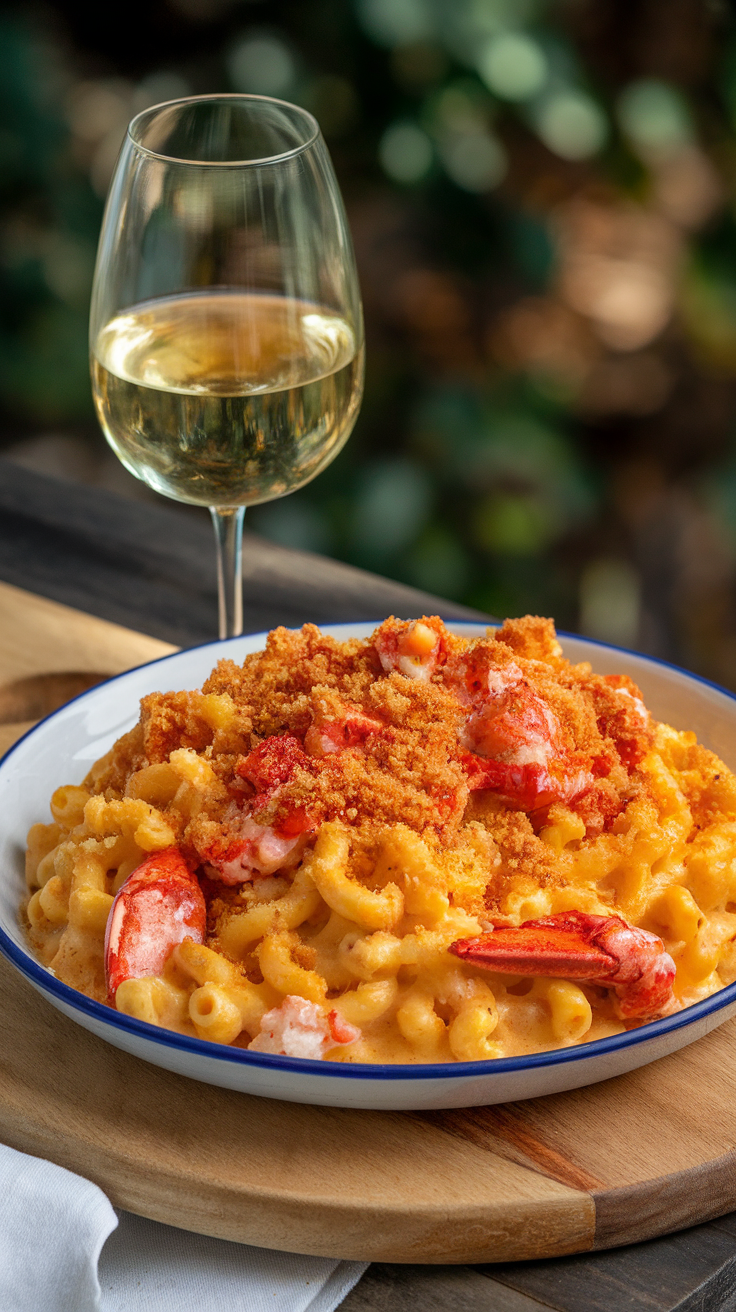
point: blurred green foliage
(50, 217)
(542, 197)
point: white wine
(226, 398)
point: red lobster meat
(594, 949)
(512, 738)
(344, 725)
(255, 850)
(271, 764)
(159, 905)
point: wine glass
(226, 332)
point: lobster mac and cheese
(414, 848)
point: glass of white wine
(226, 331)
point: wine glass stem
(228, 524)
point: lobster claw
(596, 949)
(536, 949)
(159, 905)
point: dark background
(542, 201)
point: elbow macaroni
(365, 934)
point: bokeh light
(262, 65)
(654, 116)
(396, 22)
(158, 87)
(475, 160)
(513, 65)
(571, 124)
(405, 152)
(394, 501)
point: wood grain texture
(434, 1289)
(691, 1272)
(662, 1157)
(505, 1131)
(152, 567)
(695, 1272)
(38, 636)
(41, 637)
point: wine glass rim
(224, 163)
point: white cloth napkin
(63, 1248)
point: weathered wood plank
(38, 636)
(386, 1288)
(152, 568)
(694, 1271)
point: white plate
(61, 749)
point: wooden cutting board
(647, 1153)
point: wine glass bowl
(226, 336)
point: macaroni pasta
(341, 815)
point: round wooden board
(612, 1164)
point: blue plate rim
(42, 978)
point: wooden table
(151, 568)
